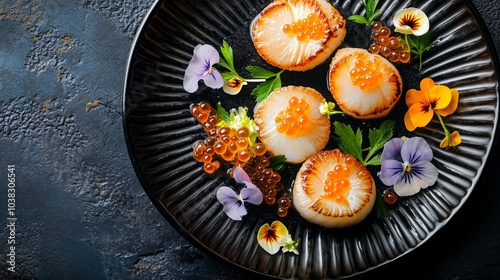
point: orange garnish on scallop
(298, 35)
(364, 85)
(291, 124)
(333, 189)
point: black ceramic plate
(160, 133)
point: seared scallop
(291, 124)
(333, 189)
(298, 35)
(364, 85)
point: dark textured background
(82, 213)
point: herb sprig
(351, 142)
(419, 44)
(227, 61)
(371, 12)
(268, 80)
(273, 81)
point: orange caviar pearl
(337, 182)
(220, 147)
(228, 155)
(232, 147)
(211, 167)
(244, 155)
(293, 119)
(365, 75)
(242, 144)
(310, 27)
(204, 107)
(259, 149)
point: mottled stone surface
(81, 211)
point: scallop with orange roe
(291, 124)
(298, 35)
(333, 189)
(364, 85)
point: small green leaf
(260, 73)
(223, 113)
(276, 163)
(349, 141)
(263, 90)
(371, 12)
(358, 19)
(377, 138)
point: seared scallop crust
(298, 35)
(334, 190)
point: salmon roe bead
(310, 27)
(365, 75)
(293, 119)
(336, 183)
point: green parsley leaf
(351, 142)
(227, 59)
(420, 44)
(371, 12)
(277, 163)
(260, 73)
(348, 141)
(358, 19)
(223, 113)
(263, 90)
(377, 139)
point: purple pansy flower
(200, 68)
(406, 165)
(234, 204)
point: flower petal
(272, 237)
(453, 140)
(416, 149)
(441, 95)
(411, 21)
(233, 86)
(409, 125)
(190, 81)
(415, 96)
(200, 67)
(392, 150)
(420, 114)
(213, 79)
(251, 195)
(390, 172)
(232, 203)
(452, 106)
(422, 175)
(206, 53)
(426, 84)
(240, 176)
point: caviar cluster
(337, 182)
(293, 119)
(365, 75)
(391, 47)
(224, 144)
(310, 27)
(269, 182)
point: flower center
(293, 120)
(410, 20)
(407, 168)
(270, 235)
